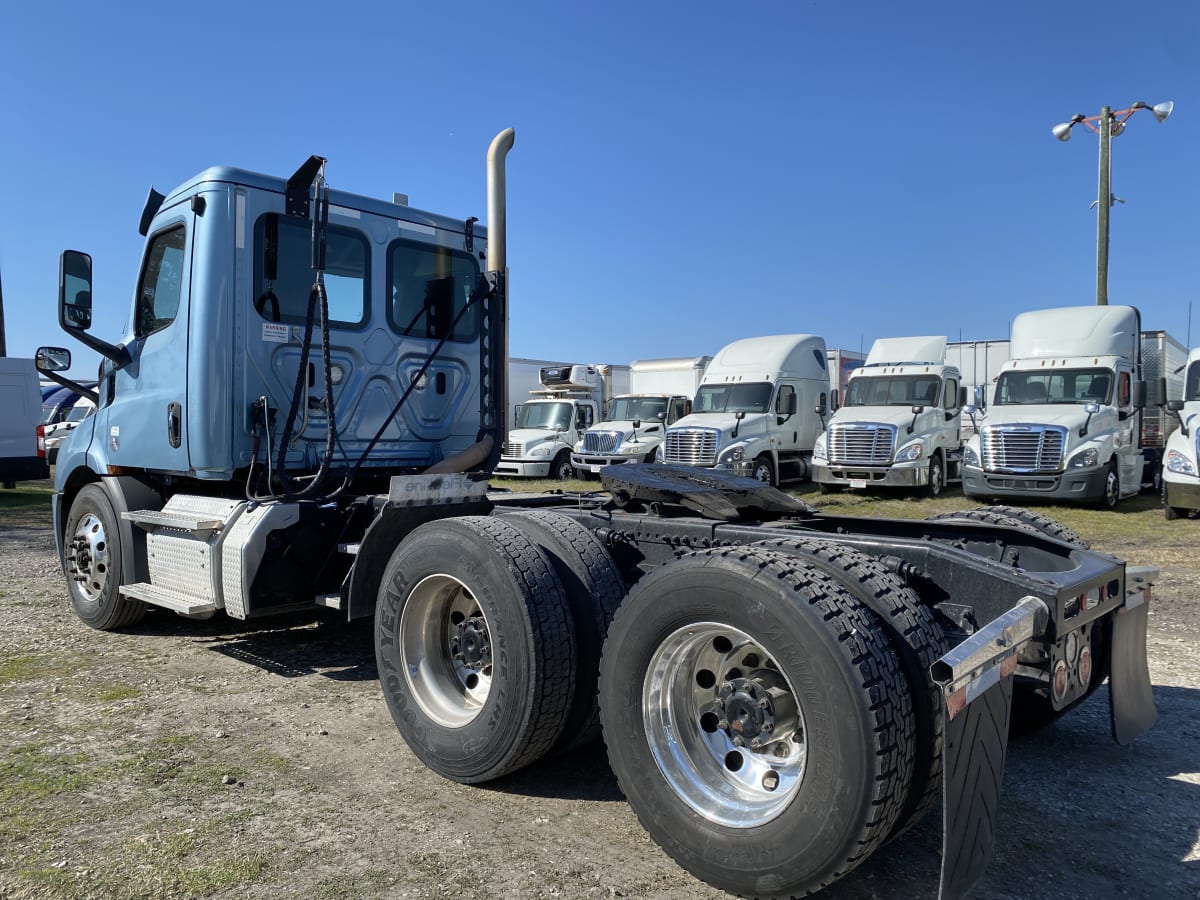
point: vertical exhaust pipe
(493, 349)
(497, 250)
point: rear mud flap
(976, 741)
(976, 682)
(1131, 697)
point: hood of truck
(625, 429)
(900, 416)
(527, 437)
(751, 423)
(1068, 416)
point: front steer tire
(93, 555)
(774, 631)
(475, 646)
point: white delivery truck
(898, 423)
(1066, 419)
(1181, 468)
(660, 394)
(757, 409)
(22, 458)
(554, 418)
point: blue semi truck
(305, 412)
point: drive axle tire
(1038, 522)
(594, 589)
(915, 636)
(475, 646)
(92, 552)
(756, 719)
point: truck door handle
(174, 423)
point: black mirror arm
(73, 385)
(118, 353)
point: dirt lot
(209, 759)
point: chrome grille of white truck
(1022, 448)
(510, 450)
(691, 446)
(861, 443)
(601, 441)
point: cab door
(1129, 454)
(143, 421)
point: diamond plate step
(160, 596)
(150, 519)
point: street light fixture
(1110, 124)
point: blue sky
(683, 175)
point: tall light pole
(1108, 125)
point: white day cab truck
(779, 690)
(22, 438)
(898, 424)
(1068, 420)
(555, 418)
(759, 409)
(660, 394)
(1181, 466)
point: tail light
(41, 441)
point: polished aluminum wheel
(724, 725)
(446, 650)
(88, 558)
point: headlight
(970, 457)
(819, 448)
(541, 450)
(1179, 464)
(909, 453)
(658, 454)
(733, 455)
(1085, 459)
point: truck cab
(1181, 465)
(899, 423)
(1064, 421)
(632, 431)
(755, 409)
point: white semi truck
(1068, 420)
(756, 409)
(549, 424)
(898, 424)
(660, 394)
(1181, 467)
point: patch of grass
(32, 777)
(116, 692)
(27, 495)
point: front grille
(1022, 448)
(858, 444)
(691, 446)
(601, 441)
(510, 449)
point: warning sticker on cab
(275, 332)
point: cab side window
(1123, 390)
(950, 398)
(786, 392)
(162, 282)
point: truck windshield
(1076, 386)
(552, 416)
(647, 409)
(1191, 390)
(893, 390)
(754, 397)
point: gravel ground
(188, 758)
